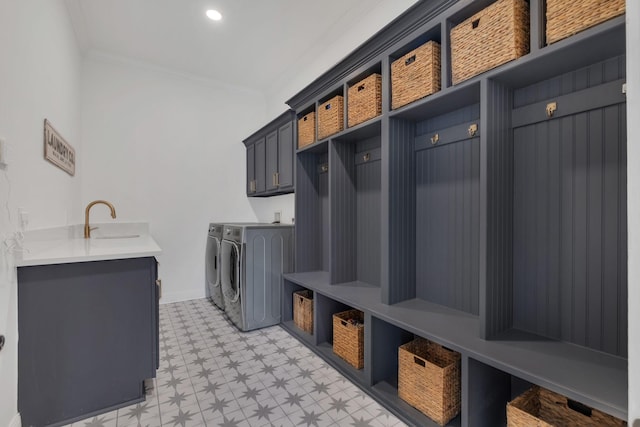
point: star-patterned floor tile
(213, 375)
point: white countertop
(65, 245)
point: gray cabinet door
(272, 161)
(260, 166)
(251, 171)
(93, 347)
(285, 156)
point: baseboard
(169, 297)
(16, 421)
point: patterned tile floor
(213, 375)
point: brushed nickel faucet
(87, 229)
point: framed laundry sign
(57, 150)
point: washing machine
(253, 259)
(212, 264)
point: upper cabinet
(270, 158)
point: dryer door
(212, 266)
(230, 270)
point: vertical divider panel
(485, 393)
(385, 143)
(342, 191)
(399, 283)
(368, 336)
(536, 25)
(496, 209)
(445, 54)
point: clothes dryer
(254, 257)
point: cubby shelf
(501, 225)
(594, 378)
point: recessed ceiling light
(214, 15)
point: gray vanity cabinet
(88, 338)
(270, 158)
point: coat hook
(366, 157)
(551, 108)
(473, 129)
(434, 139)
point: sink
(122, 236)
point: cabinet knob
(551, 108)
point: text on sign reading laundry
(57, 150)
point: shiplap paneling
(368, 204)
(601, 72)
(312, 214)
(447, 224)
(570, 229)
(343, 212)
(402, 211)
(323, 226)
(496, 210)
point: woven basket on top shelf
(543, 408)
(348, 337)
(331, 117)
(429, 379)
(307, 129)
(492, 37)
(364, 100)
(568, 17)
(415, 75)
(303, 310)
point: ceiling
(256, 42)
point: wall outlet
(24, 218)
(276, 217)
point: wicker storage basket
(429, 379)
(307, 129)
(543, 408)
(331, 117)
(303, 310)
(567, 17)
(492, 37)
(415, 75)
(348, 338)
(364, 100)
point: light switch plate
(3, 152)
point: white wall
(633, 200)
(318, 58)
(166, 148)
(39, 78)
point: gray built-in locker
(489, 217)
